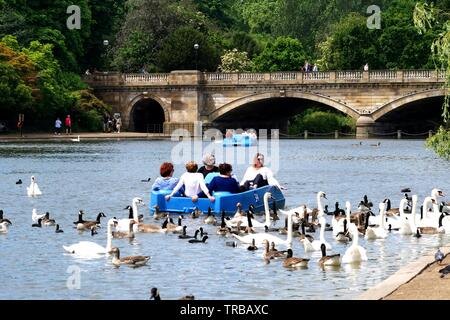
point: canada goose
(199, 241)
(304, 235)
(175, 228)
(154, 294)
(271, 254)
(253, 246)
(439, 256)
(19, 181)
(390, 229)
(38, 224)
(376, 145)
(89, 224)
(132, 261)
(124, 224)
(3, 219)
(80, 217)
(344, 236)
(196, 213)
(146, 180)
(58, 230)
(293, 262)
(92, 249)
(46, 221)
(380, 231)
(433, 230)
(333, 260)
(391, 211)
(131, 215)
(94, 231)
(357, 144)
(232, 244)
(210, 219)
(121, 234)
(185, 236)
(222, 230)
(159, 215)
(417, 234)
(4, 225)
(152, 228)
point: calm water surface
(105, 176)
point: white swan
(380, 231)
(317, 243)
(260, 237)
(76, 140)
(255, 223)
(35, 217)
(405, 226)
(33, 190)
(124, 224)
(355, 253)
(429, 219)
(90, 249)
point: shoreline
(415, 281)
(91, 136)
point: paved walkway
(420, 280)
(84, 135)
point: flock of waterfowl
(254, 234)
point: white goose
(260, 237)
(33, 190)
(92, 249)
(35, 217)
(124, 224)
(355, 253)
(380, 231)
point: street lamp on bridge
(196, 46)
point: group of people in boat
(195, 183)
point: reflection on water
(105, 176)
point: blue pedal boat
(225, 201)
(239, 140)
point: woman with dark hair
(193, 182)
(166, 181)
(258, 176)
(224, 182)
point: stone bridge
(379, 101)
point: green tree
(321, 121)
(425, 17)
(178, 51)
(284, 54)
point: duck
(46, 221)
(35, 216)
(19, 181)
(58, 230)
(4, 225)
(260, 237)
(253, 246)
(185, 236)
(124, 224)
(131, 261)
(121, 234)
(294, 262)
(87, 225)
(199, 241)
(88, 248)
(333, 260)
(33, 190)
(355, 253)
(380, 231)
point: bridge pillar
(364, 126)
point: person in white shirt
(258, 176)
(193, 182)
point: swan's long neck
(319, 203)
(135, 212)
(413, 210)
(289, 235)
(109, 239)
(322, 229)
(382, 212)
(266, 208)
(355, 237)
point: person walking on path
(58, 124)
(118, 124)
(68, 125)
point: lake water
(105, 176)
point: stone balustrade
(243, 78)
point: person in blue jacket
(224, 182)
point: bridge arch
(147, 113)
(219, 112)
(401, 102)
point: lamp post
(106, 44)
(196, 46)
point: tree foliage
(235, 61)
(320, 121)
